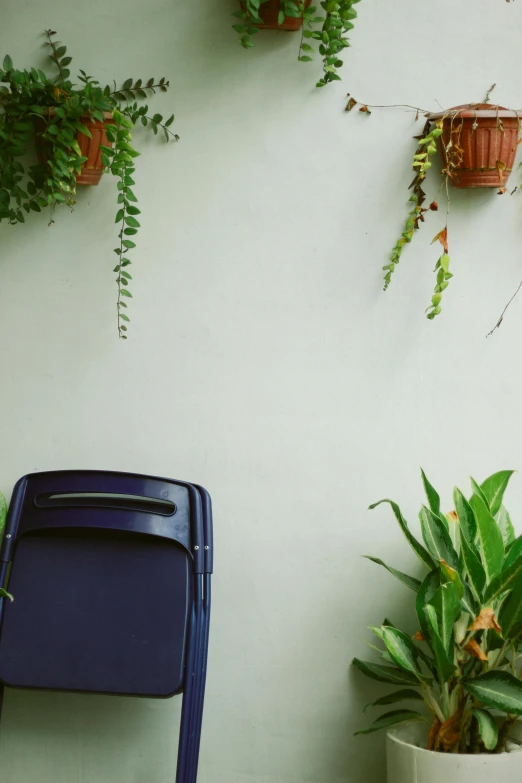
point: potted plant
(82, 129)
(462, 667)
(477, 144)
(329, 30)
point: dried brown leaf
(449, 733)
(434, 733)
(484, 621)
(451, 516)
(474, 649)
(434, 206)
(442, 236)
(418, 637)
(351, 103)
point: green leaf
(498, 691)
(506, 580)
(305, 58)
(128, 244)
(133, 210)
(427, 590)
(392, 698)
(476, 573)
(387, 674)
(487, 727)
(436, 538)
(515, 550)
(280, 17)
(419, 550)
(3, 509)
(7, 64)
(390, 719)
(124, 317)
(127, 84)
(444, 665)
(402, 650)
(510, 616)
(119, 215)
(124, 292)
(494, 487)
(468, 524)
(169, 121)
(409, 581)
(431, 494)
(446, 602)
(131, 221)
(490, 539)
(478, 491)
(503, 520)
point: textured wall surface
(264, 361)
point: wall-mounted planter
(269, 13)
(408, 761)
(92, 169)
(483, 145)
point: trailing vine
(60, 111)
(329, 30)
(444, 131)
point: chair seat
(97, 611)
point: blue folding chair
(110, 573)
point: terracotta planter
(92, 169)
(408, 761)
(484, 143)
(269, 13)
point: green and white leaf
(476, 573)
(427, 590)
(494, 487)
(417, 547)
(390, 719)
(431, 494)
(402, 650)
(498, 691)
(405, 694)
(478, 491)
(506, 580)
(389, 674)
(409, 581)
(446, 603)
(444, 664)
(503, 520)
(490, 539)
(436, 538)
(467, 521)
(487, 727)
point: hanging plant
(81, 131)
(329, 30)
(477, 143)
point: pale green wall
(263, 360)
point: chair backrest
(102, 573)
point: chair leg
(184, 748)
(203, 676)
(198, 667)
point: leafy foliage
(328, 30)
(3, 517)
(466, 659)
(60, 109)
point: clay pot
(92, 169)
(269, 13)
(484, 142)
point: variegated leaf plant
(464, 664)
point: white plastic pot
(408, 761)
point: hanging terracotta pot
(269, 13)
(92, 169)
(478, 144)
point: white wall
(263, 360)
